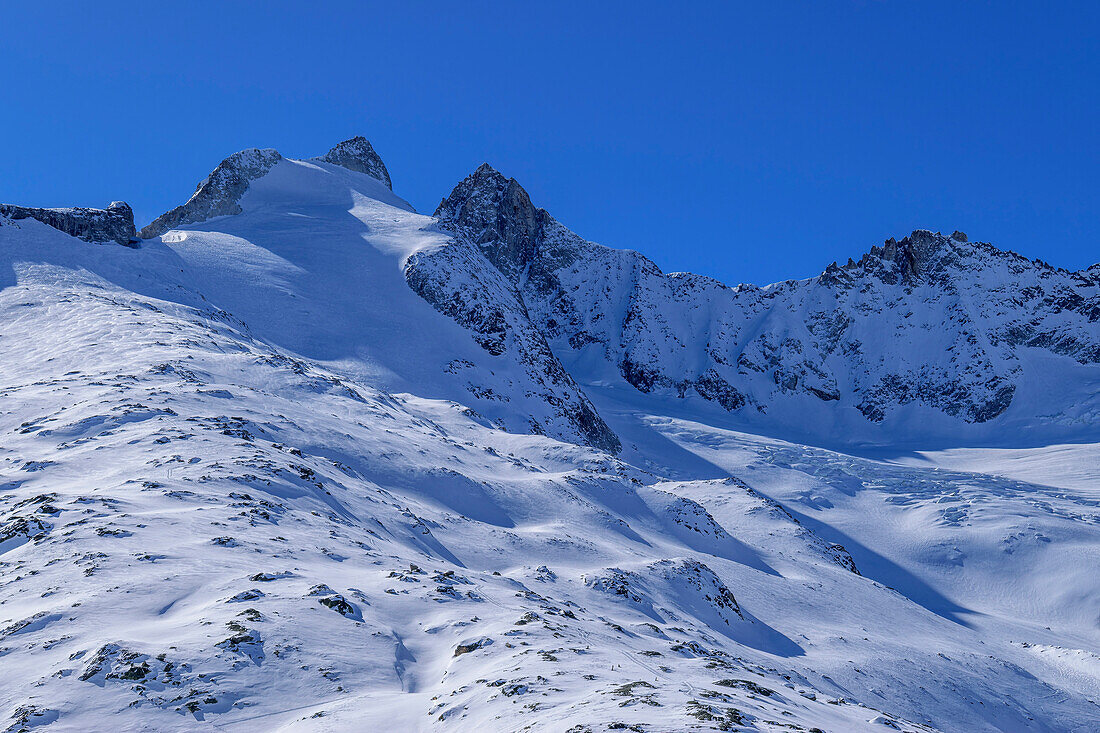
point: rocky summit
(303, 458)
(357, 154)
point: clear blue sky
(748, 141)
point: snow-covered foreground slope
(251, 479)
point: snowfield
(313, 461)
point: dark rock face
(357, 155)
(459, 282)
(472, 646)
(220, 193)
(712, 387)
(113, 224)
(496, 213)
(494, 220)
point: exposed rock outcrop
(496, 213)
(113, 224)
(477, 281)
(357, 155)
(220, 193)
(460, 283)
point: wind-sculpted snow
(283, 470)
(199, 518)
(915, 331)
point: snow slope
(314, 465)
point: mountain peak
(486, 171)
(921, 256)
(496, 213)
(357, 154)
(220, 192)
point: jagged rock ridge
(497, 214)
(459, 282)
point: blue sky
(747, 141)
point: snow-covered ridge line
(931, 333)
(220, 193)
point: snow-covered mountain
(932, 333)
(304, 459)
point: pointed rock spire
(357, 155)
(497, 214)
